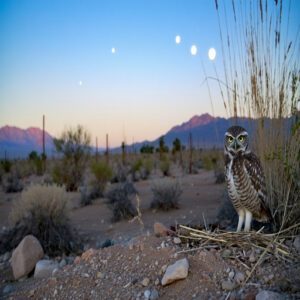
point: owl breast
(240, 188)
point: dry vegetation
(262, 76)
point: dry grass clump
(261, 62)
(166, 194)
(119, 201)
(268, 244)
(43, 212)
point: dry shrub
(119, 201)
(43, 212)
(262, 81)
(166, 194)
(12, 182)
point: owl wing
(257, 177)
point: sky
(112, 66)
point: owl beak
(235, 145)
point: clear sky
(56, 59)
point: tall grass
(260, 52)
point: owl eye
(241, 138)
(230, 139)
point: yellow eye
(230, 139)
(241, 138)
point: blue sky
(56, 59)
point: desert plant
(136, 167)
(102, 173)
(6, 165)
(43, 212)
(146, 169)
(119, 201)
(74, 146)
(262, 80)
(12, 182)
(37, 162)
(164, 166)
(166, 194)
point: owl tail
(267, 216)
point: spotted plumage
(245, 179)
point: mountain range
(206, 131)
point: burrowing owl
(245, 179)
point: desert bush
(164, 166)
(37, 162)
(119, 174)
(146, 168)
(74, 147)
(119, 201)
(135, 168)
(265, 83)
(166, 194)
(43, 212)
(12, 182)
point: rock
(228, 285)
(44, 268)
(7, 289)
(160, 229)
(6, 256)
(252, 257)
(297, 243)
(147, 294)
(179, 270)
(62, 263)
(231, 275)
(25, 256)
(88, 254)
(55, 271)
(154, 294)
(226, 253)
(239, 277)
(268, 295)
(146, 281)
(177, 240)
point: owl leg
(241, 220)
(248, 220)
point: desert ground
(133, 267)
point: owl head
(236, 140)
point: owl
(245, 179)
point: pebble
(100, 275)
(145, 281)
(176, 271)
(226, 253)
(297, 243)
(177, 240)
(154, 294)
(228, 285)
(252, 257)
(7, 289)
(156, 282)
(231, 274)
(62, 263)
(147, 294)
(268, 295)
(239, 277)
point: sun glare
(212, 53)
(80, 83)
(194, 50)
(113, 50)
(178, 39)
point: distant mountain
(207, 131)
(18, 142)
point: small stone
(231, 274)
(6, 256)
(252, 257)
(296, 243)
(228, 285)
(55, 271)
(62, 263)
(269, 295)
(156, 282)
(147, 294)
(160, 229)
(177, 240)
(146, 281)
(100, 275)
(226, 253)
(239, 277)
(154, 294)
(7, 289)
(44, 268)
(86, 275)
(31, 293)
(179, 270)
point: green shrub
(166, 194)
(74, 147)
(164, 166)
(43, 212)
